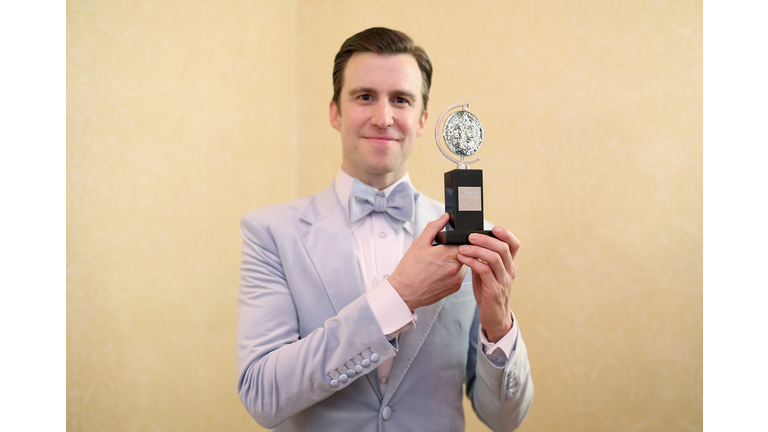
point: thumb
(432, 228)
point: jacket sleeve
(500, 396)
(281, 373)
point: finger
(507, 237)
(495, 245)
(432, 228)
(501, 270)
(478, 268)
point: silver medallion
(463, 133)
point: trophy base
(459, 237)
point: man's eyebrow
(404, 93)
(397, 93)
(359, 90)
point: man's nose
(382, 115)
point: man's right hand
(428, 273)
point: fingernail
(463, 248)
(497, 230)
(473, 236)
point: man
(348, 318)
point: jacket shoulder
(276, 215)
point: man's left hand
(492, 261)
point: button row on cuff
(509, 393)
(354, 371)
(511, 381)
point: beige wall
(183, 116)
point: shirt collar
(343, 185)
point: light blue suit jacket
(303, 322)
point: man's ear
(335, 116)
(422, 124)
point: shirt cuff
(390, 310)
(501, 351)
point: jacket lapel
(409, 344)
(329, 244)
(411, 341)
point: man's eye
(365, 97)
(400, 100)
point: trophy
(463, 135)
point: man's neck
(378, 181)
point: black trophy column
(464, 204)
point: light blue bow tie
(397, 207)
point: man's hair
(383, 41)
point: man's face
(379, 116)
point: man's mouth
(381, 139)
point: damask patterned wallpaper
(182, 117)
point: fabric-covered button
(366, 362)
(343, 378)
(386, 413)
(334, 383)
(375, 357)
(358, 369)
